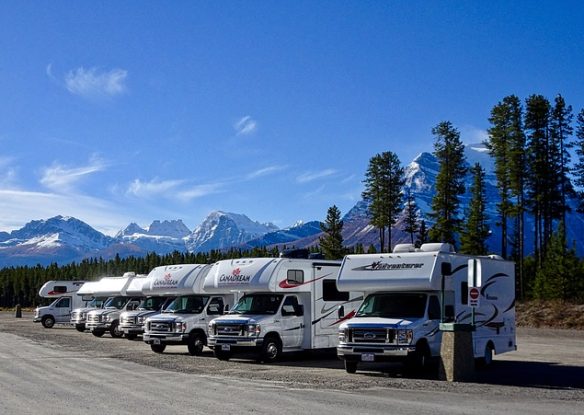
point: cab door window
(64, 303)
(290, 306)
(216, 306)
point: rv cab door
(63, 310)
(292, 322)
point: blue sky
(118, 112)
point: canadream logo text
(235, 277)
(166, 281)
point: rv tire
(131, 336)
(115, 330)
(80, 327)
(48, 322)
(158, 348)
(420, 359)
(98, 333)
(195, 344)
(271, 349)
(350, 366)
(487, 358)
(220, 354)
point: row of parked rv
(371, 308)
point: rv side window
(215, 306)
(290, 306)
(295, 276)
(60, 289)
(464, 292)
(330, 292)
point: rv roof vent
(399, 248)
(437, 247)
(316, 255)
(499, 257)
(129, 274)
(295, 253)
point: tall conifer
(332, 242)
(473, 239)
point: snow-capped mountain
(66, 239)
(58, 239)
(221, 230)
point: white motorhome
(402, 311)
(59, 311)
(86, 293)
(185, 320)
(107, 318)
(289, 304)
(132, 322)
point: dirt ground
(550, 314)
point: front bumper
(98, 326)
(374, 353)
(37, 319)
(132, 328)
(235, 342)
(165, 338)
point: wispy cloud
(155, 187)
(473, 135)
(93, 82)
(7, 172)
(198, 191)
(61, 178)
(245, 126)
(264, 172)
(311, 176)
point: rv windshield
(258, 304)
(116, 302)
(188, 304)
(393, 305)
(151, 303)
(96, 302)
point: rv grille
(230, 329)
(128, 320)
(94, 318)
(372, 335)
(160, 326)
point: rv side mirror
(299, 310)
(226, 308)
(446, 269)
(341, 311)
(448, 313)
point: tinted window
(60, 289)
(434, 308)
(215, 306)
(331, 293)
(295, 276)
(464, 292)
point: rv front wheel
(98, 333)
(80, 328)
(115, 330)
(131, 336)
(195, 344)
(271, 349)
(158, 348)
(420, 359)
(48, 322)
(487, 358)
(350, 366)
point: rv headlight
(108, 318)
(212, 326)
(253, 329)
(404, 336)
(141, 319)
(344, 335)
(180, 327)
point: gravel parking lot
(547, 366)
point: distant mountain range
(66, 239)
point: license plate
(368, 357)
(226, 347)
(155, 341)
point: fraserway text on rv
(402, 311)
(59, 311)
(288, 304)
(185, 320)
(124, 294)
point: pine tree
(423, 234)
(578, 170)
(332, 243)
(561, 131)
(449, 151)
(475, 230)
(411, 224)
(384, 181)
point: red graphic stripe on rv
(286, 284)
(347, 317)
(55, 292)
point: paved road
(60, 371)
